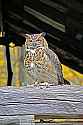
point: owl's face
(34, 41)
(34, 49)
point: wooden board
(35, 103)
(3, 66)
(28, 120)
(17, 65)
(41, 100)
(17, 120)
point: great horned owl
(41, 64)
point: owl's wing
(55, 61)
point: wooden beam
(41, 105)
(44, 18)
(41, 100)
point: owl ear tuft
(43, 34)
(27, 35)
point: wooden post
(3, 66)
(17, 65)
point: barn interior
(61, 20)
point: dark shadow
(9, 69)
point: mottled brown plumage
(41, 64)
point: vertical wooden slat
(16, 63)
(3, 66)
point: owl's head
(34, 41)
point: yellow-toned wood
(57, 120)
(12, 44)
(16, 63)
(73, 76)
(2, 34)
(3, 66)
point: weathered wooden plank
(41, 100)
(65, 123)
(17, 120)
(29, 120)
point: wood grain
(41, 100)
